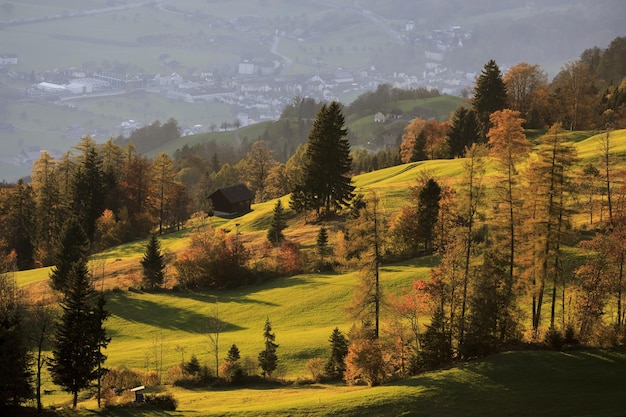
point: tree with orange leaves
(411, 133)
(508, 144)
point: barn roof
(235, 193)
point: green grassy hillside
(304, 309)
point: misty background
(106, 67)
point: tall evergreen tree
(336, 365)
(489, 94)
(15, 359)
(21, 224)
(464, 131)
(268, 361)
(49, 205)
(275, 232)
(419, 148)
(327, 165)
(79, 338)
(322, 245)
(428, 213)
(153, 263)
(73, 246)
(89, 188)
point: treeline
(115, 193)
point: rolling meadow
(304, 309)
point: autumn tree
(608, 162)
(366, 245)
(412, 305)
(413, 146)
(268, 360)
(326, 182)
(364, 362)
(508, 145)
(489, 95)
(435, 134)
(165, 181)
(573, 91)
(49, 206)
(259, 163)
(153, 263)
(526, 87)
(471, 198)
(594, 283)
(549, 179)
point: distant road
(274, 49)
(15, 22)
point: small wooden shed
(139, 397)
(232, 200)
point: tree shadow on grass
(162, 315)
(525, 384)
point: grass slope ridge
(304, 309)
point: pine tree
(489, 94)
(268, 361)
(322, 245)
(428, 213)
(89, 187)
(419, 148)
(464, 131)
(153, 263)
(336, 366)
(327, 164)
(233, 354)
(436, 346)
(73, 247)
(21, 224)
(80, 336)
(275, 232)
(15, 359)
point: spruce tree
(336, 365)
(268, 361)
(80, 337)
(489, 94)
(419, 148)
(326, 180)
(428, 213)
(153, 263)
(15, 359)
(89, 188)
(464, 131)
(322, 245)
(72, 247)
(275, 232)
(233, 354)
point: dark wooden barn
(232, 200)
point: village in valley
(255, 89)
